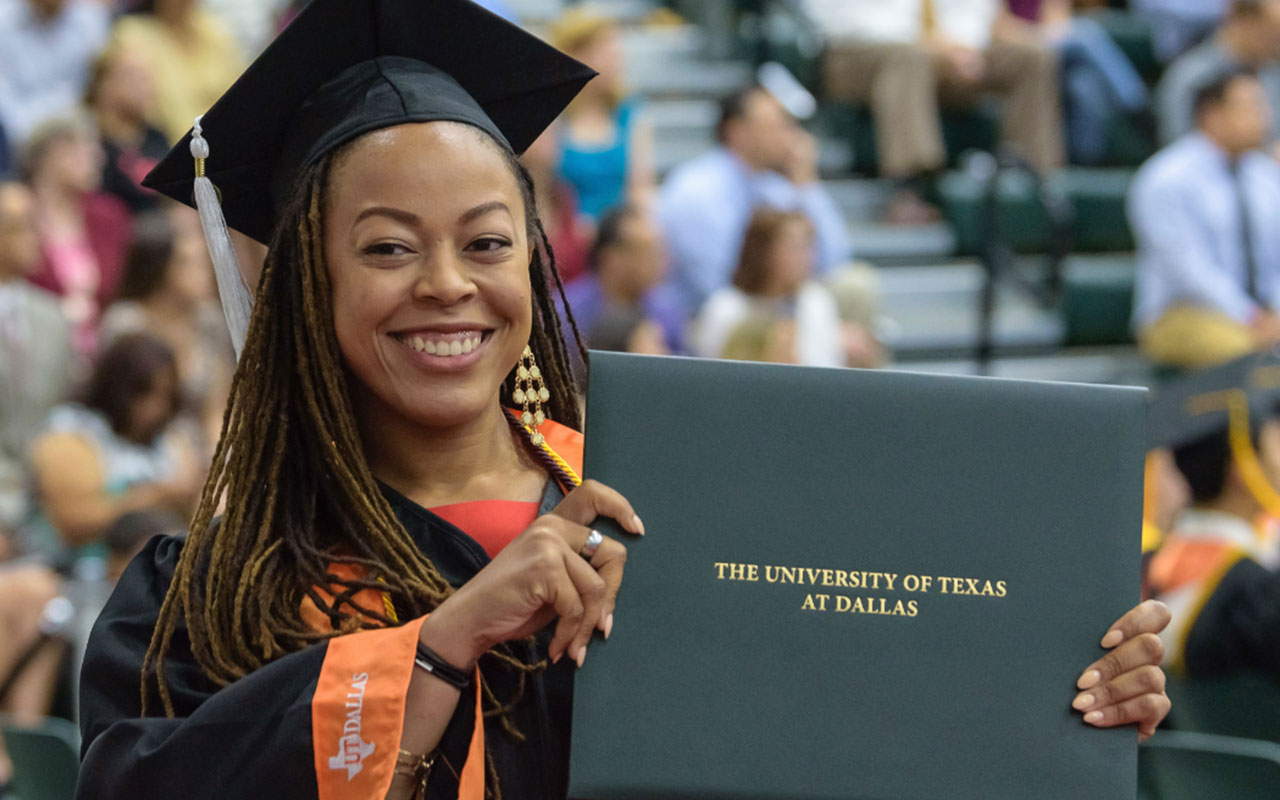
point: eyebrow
(399, 215)
(409, 218)
(482, 209)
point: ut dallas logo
(353, 750)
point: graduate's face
(428, 256)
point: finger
(1145, 649)
(609, 563)
(1143, 680)
(569, 611)
(1148, 617)
(1146, 710)
(591, 592)
(593, 499)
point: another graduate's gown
(321, 723)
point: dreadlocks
(299, 495)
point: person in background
(46, 47)
(28, 677)
(774, 282)
(83, 231)
(1218, 568)
(1179, 24)
(763, 158)
(557, 204)
(627, 268)
(35, 349)
(121, 97)
(1098, 82)
(1249, 38)
(190, 54)
(606, 146)
(905, 57)
(1208, 277)
(114, 452)
(167, 290)
(628, 330)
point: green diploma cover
(857, 585)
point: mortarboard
(1200, 403)
(1230, 400)
(341, 69)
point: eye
(386, 249)
(488, 244)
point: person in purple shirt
(626, 267)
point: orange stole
(357, 712)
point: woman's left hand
(1127, 685)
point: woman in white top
(773, 281)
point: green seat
(46, 758)
(1097, 300)
(1097, 198)
(1245, 705)
(1181, 765)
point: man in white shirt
(46, 48)
(904, 57)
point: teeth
(454, 347)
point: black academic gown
(254, 739)
(1239, 626)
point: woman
(167, 290)
(290, 637)
(120, 96)
(773, 285)
(606, 146)
(114, 452)
(83, 231)
(190, 55)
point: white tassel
(237, 302)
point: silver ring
(589, 549)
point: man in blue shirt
(1203, 211)
(764, 158)
(46, 47)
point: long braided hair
(299, 495)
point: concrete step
(901, 246)
(929, 310)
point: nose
(444, 279)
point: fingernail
(556, 658)
(637, 524)
(1093, 717)
(1089, 679)
(1112, 638)
(582, 656)
(608, 626)
(1082, 702)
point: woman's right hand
(537, 578)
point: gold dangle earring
(531, 390)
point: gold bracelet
(417, 767)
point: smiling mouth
(445, 345)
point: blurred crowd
(115, 359)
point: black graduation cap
(1198, 405)
(343, 68)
